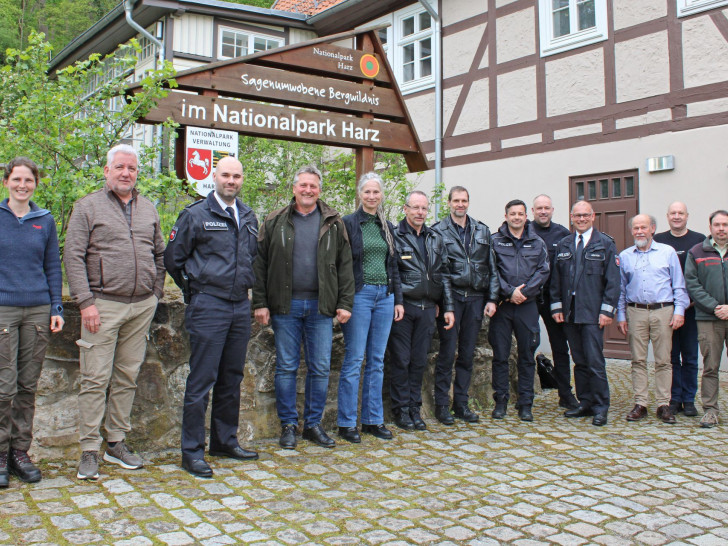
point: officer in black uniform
(584, 293)
(422, 264)
(523, 267)
(552, 233)
(475, 291)
(210, 256)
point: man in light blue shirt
(652, 304)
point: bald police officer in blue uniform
(585, 288)
(210, 256)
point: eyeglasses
(418, 209)
(585, 215)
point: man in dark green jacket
(304, 277)
(706, 278)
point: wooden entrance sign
(311, 91)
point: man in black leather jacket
(475, 288)
(422, 262)
(523, 268)
(214, 244)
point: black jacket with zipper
(597, 288)
(425, 279)
(474, 271)
(216, 255)
(520, 262)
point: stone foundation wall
(157, 412)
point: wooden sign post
(312, 91)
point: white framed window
(148, 48)
(237, 43)
(688, 7)
(410, 45)
(568, 24)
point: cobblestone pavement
(553, 481)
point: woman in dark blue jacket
(30, 308)
(378, 299)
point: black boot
(20, 465)
(524, 413)
(499, 412)
(442, 414)
(462, 411)
(403, 420)
(417, 418)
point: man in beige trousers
(652, 305)
(114, 258)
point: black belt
(651, 306)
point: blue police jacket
(216, 255)
(523, 261)
(596, 291)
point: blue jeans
(367, 330)
(302, 324)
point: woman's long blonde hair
(368, 177)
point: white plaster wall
(517, 96)
(700, 177)
(297, 35)
(515, 36)
(654, 116)
(185, 64)
(575, 83)
(474, 116)
(708, 107)
(705, 52)
(460, 49)
(580, 130)
(458, 10)
(630, 12)
(193, 34)
(422, 111)
(642, 67)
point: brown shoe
(638, 412)
(666, 414)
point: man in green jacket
(304, 277)
(706, 278)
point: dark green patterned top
(374, 255)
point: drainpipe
(438, 101)
(128, 8)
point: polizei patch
(215, 226)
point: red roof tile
(309, 7)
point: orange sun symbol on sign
(369, 66)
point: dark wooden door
(614, 198)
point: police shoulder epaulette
(608, 236)
(195, 203)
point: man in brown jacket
(114, 257)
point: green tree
(270, 166)
(67, 123)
